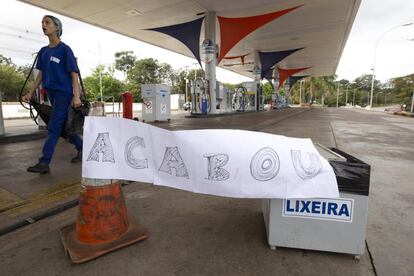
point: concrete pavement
(193, 234)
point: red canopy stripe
(241, 57)
(232, 30)
(284, 74)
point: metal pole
(412, 102)
(287, 93)
(372, 84)
(346, 95)
(300, 92)
(375, 56)
(337, 96)
(385, 99)
(100, 73)
(1, 116)
(186, 84)
(353, 99)
(186, 89)
(256, 79)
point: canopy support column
(210, 34)
(258, 94)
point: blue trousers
(61, 103)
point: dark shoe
(77, 158)
(41, 168)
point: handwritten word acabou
(264, 165)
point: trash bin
(324, 224)
(156, 104)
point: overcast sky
(20, 36)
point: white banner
(232, 163)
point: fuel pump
(287, 94)
(203, 103)
(275, 100)
(200, 98)
(240, 99)
(41, 95)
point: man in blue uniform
(58, 73)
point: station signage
(338, 209)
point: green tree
(124, 61)
(196, 73)
(402, 90)
(12, 79)
(364, 82)
(323, 89)
(180, 76)
(110, 85)
(329, 85)
(149, 70)
(6, 61)
(315, 89)
(267, 91)
(145, 71)
(179, 80)
(11, 83)
(361, 86)
(24, 69)
(166, 73)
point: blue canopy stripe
(268, 75)
(270, 59)
(187, 33)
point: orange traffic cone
(102, 225)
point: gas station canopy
(320, 27)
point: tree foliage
(364, 82)
(313, 90)
(182, 75)
(124, 61)
(11, 82)
(111, 87)
(12, 79)
(319, 90)
(402, 89)
(6, 61)
(149, 70)
(267, 91)
(323, 90)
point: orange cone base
(80, 252)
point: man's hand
(26, 98)
(76, 102)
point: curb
(218, 114)
(17, 118)
(22, 137)
(405, 114)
